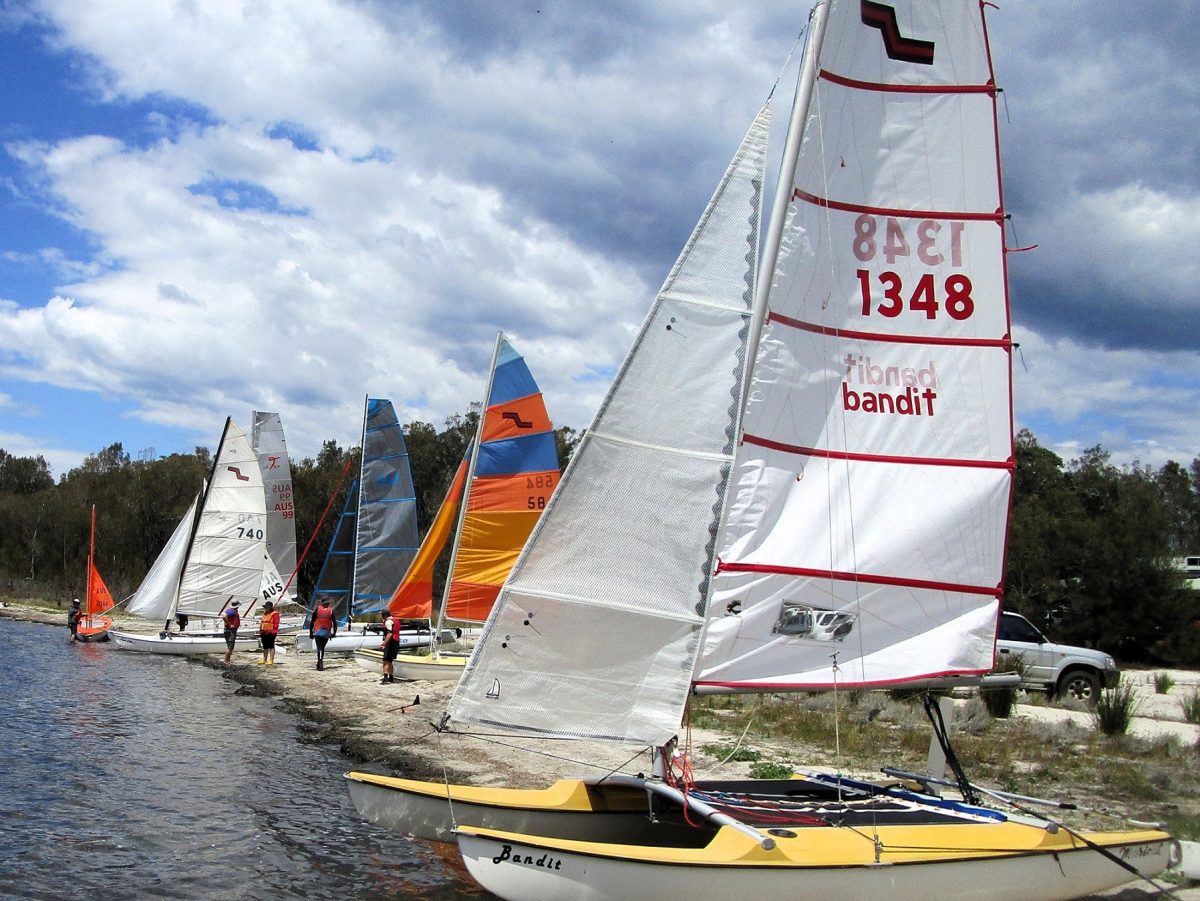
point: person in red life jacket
(390, 646)
(268, 628)
(321, 628)
(233, 621)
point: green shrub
(1163, 683)
(1115, 709)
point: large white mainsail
(266, 436)
(225, 558)
(604, 607)
(869, 517)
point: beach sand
(382, 728)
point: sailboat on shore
(215, 556)
(496, 497)
(375, 538)
(94, 624)
(841, 525)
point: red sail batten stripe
(772, 569)
(843, 206)
(883, 88)
(768, 443)
(842, 683)
(1004, 343)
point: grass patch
(1163, 683)
(1191, 706)
(1115, 709)
(770, 769)
(728, 753)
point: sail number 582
(955, 296)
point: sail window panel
(635, 532)
(390, 478)
(949, 275)
(553, 673)
(931, 167)
(881, 398)
(901, 534)
(959, 53)
(396, 521)
(681, 381)
(880, 634)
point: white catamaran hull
(443, 668)
(349, 642)
(179, 643)
(837, 866)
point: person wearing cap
(268, 628)
(233, 621)
(73, 616)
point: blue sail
(376, 537)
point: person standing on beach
(73, 616)
(268, 628)
(233, 621)
(321, 628)
(390, 646)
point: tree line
(1091, 552)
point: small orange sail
(413, 598)
(97, 599)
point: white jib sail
(155, 597)
(267, 438)
(225, 562)
(597, 629)
(869, 520)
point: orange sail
(514, 472)
(97, 599)
(413, 599)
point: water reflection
(129, 775)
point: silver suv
(1076, 674)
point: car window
(1015, 628)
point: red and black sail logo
(516, 419)
(898, 47)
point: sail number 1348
(953, 295)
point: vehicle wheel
(1080, 685)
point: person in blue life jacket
(232, 619)
(322, 627)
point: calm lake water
(133, 775)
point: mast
(783, 188)
(362, 462)
(466, 495)
(91, 562)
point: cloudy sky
(211, 208)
